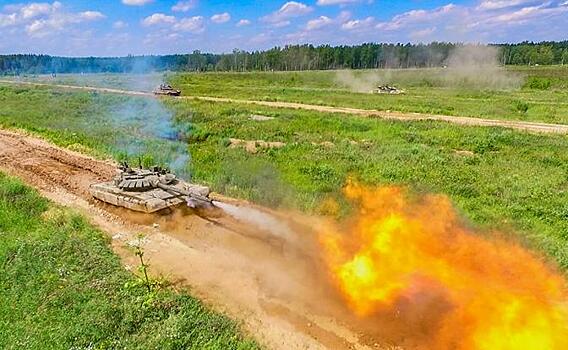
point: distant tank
(387, 89)
(150, 190)
(167, 90)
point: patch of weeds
(538, 83)
(521, 106)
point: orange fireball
(499, 295)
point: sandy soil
(252, 146)
(468, 121)
(271, 280)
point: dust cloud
(466, 66)
(477, 66)
(361, 82)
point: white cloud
(488, 21)
(191, 24)
(34, 10)
(359, 24)
(39, 20)
(91, 15)
(501, 4)
(8, 20)
(221, 18)
(119, 25)
(318, 23)
(261, 39)
(243, 22)
(522, 15)
(288, 11)
(335, 2)
(170, 24)
(417, 16)
(158, 18)
(184, 6)
(40, 28)
(422, 33)
(136, 2)
(320, 30)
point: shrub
(521, 106)
(538, 83)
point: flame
(499, 296)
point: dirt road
(270, 280)
(468, 121)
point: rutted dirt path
(468, 121)
(271, 282)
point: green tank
(150, 190)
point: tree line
(288, 58)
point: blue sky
(122, 27)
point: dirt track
(469, 121)
(272, 283)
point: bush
(538, 83)
(521, 106)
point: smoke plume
(258, 219)
(143, 128)
(148, 130)
(477, 66)
(363, 82)
(466, 66)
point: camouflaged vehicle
(387, 89)
(167, 90)
(150, 190)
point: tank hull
(167, 93)
(146, 202)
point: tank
(150, 190)
(167, 90)
(387, 89)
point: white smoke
(258, 219)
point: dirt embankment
(269, 280)
(466, 121)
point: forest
(288, 58)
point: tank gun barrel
(191, 197)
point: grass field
(542, 97)
(498, 178)
(61, 287)
(539, 93)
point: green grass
(61, 287)
(98, 124)
(427, 92)
(543, 91)
(510, 181)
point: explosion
(490, 293)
